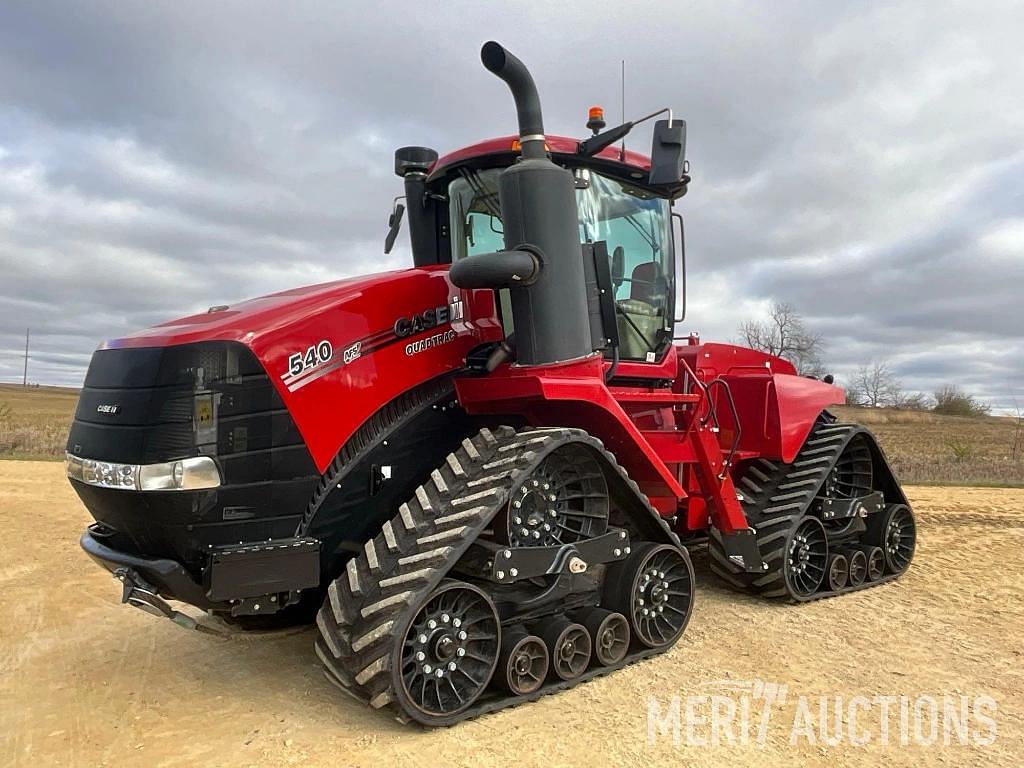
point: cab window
(633, 223)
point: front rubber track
(368, 607)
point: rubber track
(775, 496)
(370, 604)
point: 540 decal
(318, 354)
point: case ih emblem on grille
(109, 410)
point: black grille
(139, 406)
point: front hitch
(137, 592)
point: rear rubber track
(775, 497)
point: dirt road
(85, 681)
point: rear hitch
(137, 592)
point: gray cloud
(861, 162)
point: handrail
(712, 412)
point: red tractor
(482, 474)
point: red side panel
(798, 402)
(776, 407)
(331, 388)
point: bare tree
(784, 335)
(876, 385)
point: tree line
(875, 384)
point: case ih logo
(429, 319)
(109, 410)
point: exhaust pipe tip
(493, 56)
(517, 77)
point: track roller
(569, 646)
(858, 566)
(838, 571)
(875, 562)
(610, 634)
(524, 662)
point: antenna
(24, 376)
(622, 153)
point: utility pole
(24, 376)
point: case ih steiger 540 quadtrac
(483, 472)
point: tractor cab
(633, 223)
(623, 204)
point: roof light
(516, 146)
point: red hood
(248, 320)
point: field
(34, 422)
(85, 681)
(946, 450)
(924, 448)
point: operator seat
(639, 318)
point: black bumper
(168, 576)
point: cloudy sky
(864, 162)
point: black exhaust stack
(543, 262)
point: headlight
(183, 475)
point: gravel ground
(85, 681)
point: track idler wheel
(895, 531)
(858, 566)
(875, 562)
(610, 634)
(570, 646)
(838, 571)
(448, 652)
(524, 662)
(653, 589)
(806, 558)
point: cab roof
(503, 150)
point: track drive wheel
(448, 653)
(563, 500)
(653, 589)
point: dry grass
(34, 422)
(923, 448)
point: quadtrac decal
(321, 358)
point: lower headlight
(183, 475)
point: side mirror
(668, 152)
(394, 225)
